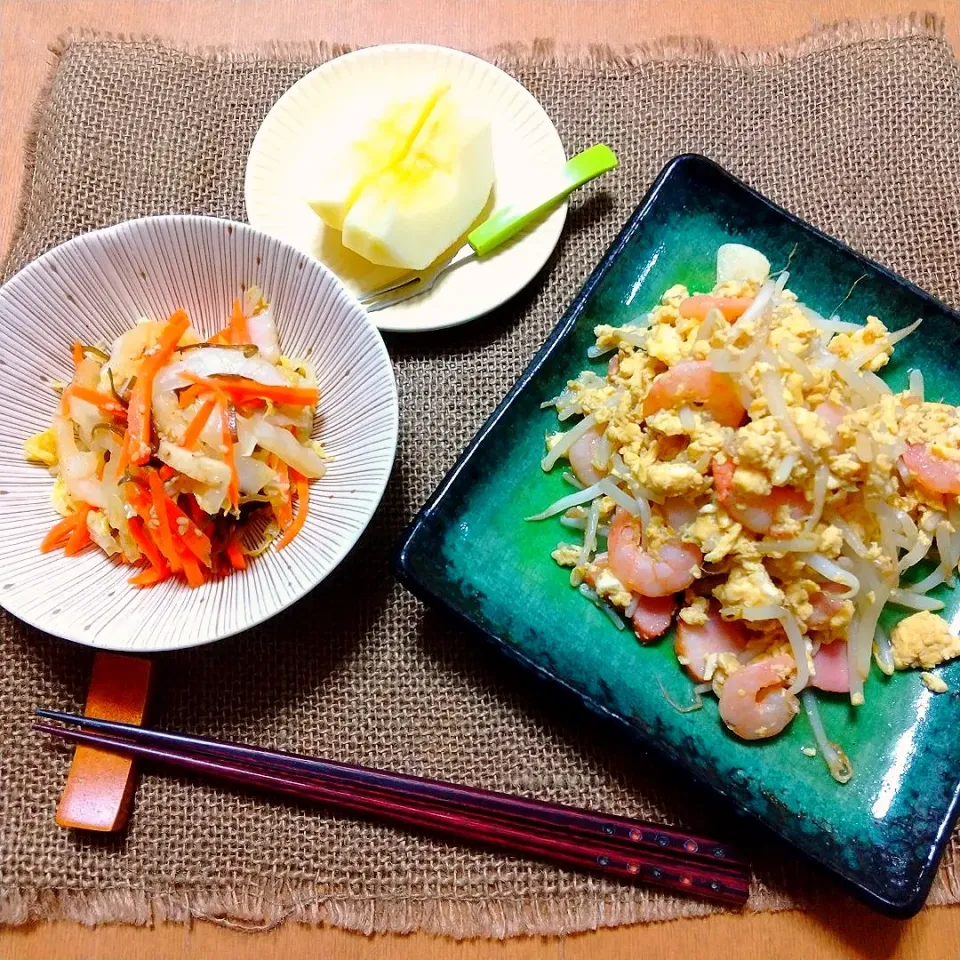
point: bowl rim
(205, 222)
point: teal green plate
(470, 551)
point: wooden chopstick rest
(99, 790)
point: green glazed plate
(470, 551)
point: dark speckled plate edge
(916, 894)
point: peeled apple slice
(413, 211)
(736, 261)
(382, 142)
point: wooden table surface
(28, 26)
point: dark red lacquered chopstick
(663, 867)
(624, 832)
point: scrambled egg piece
(695, 612)
(930, 423)
(672, 479)
(872, 335)
(923, 640)
(665, 345)
(762, 444)
(41, 448)
(718, 666)
(608, 587)
(717, 534)
(748, 585)
(933, 683)
(62, 502)
(751, 482)
(567, 554)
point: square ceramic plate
(469, 550)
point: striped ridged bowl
(93, 288)
(306, 123)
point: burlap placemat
(854, 128)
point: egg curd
(741, 469)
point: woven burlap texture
(853, 128)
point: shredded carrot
(59, 532)
(190, 394)
(242, 390)
(235, 553)
(138, 412)
(192, 569)
(196, 425)
(140, 499)
(147, 547)
(238, 331)
(161, 533)
(176, 534)
(77, 351)
(80, 536)
(303, 507)
(103, 401)
(148, 577)
(124, 457)
(284, 508)
(167, 472)
(193, 537)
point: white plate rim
(555, 221)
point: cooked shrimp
(826, 605)
(653, 616)
(695, 642)
(613, 367)
(679, 513)
(697, 384)
(581, 454)
(700, 304)
(932, 472)
(756, 513)
(754, 702)
(670, 570)
(832, 415)
(831, 668)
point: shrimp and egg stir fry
(168, 450)
(746, 466)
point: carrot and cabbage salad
(183, 456)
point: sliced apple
(412, 211)
(381, 142)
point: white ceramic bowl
(527, 152)
(93, 288)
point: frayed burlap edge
(547, 52)
(268, 905)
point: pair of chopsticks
(616, 846)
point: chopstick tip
(60, 715)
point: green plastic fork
(498, 228)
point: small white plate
(95, 287)
(304, 121)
